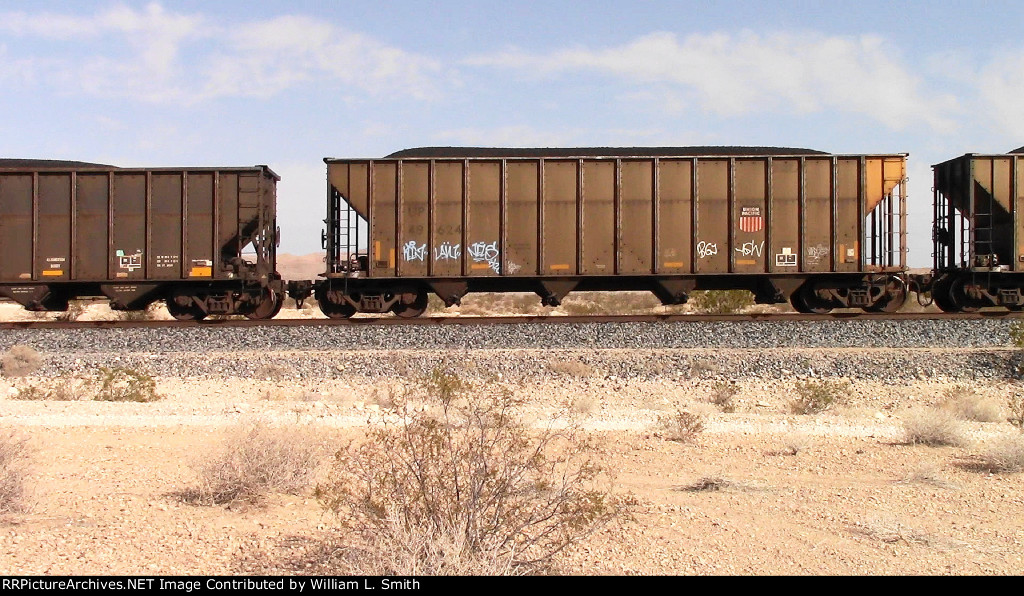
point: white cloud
(737, 74)
(1001, 87)
(157, 55)
(265, 57)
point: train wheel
(416, 305)
(185, 312)
(891, 302)
(959, 296)
(338, 308)
(941, 296)
(806, 301)
(268, 307)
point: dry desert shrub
(464, 487)
(270, 372)
(1005, 454)
(585, 404)
(814, 396)
(721, 302)
(933, 427)
(609, 303)
(682, 427)
(707, 484)
(255, 460)
(1016, 406)
(703, 368)
(793, 444)
(927, 474)
(20, 360)
(485, 304)
(965, 403)
(62, 389)
(14, 469)
(722, 395)
(890, 531)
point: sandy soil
(835, 493)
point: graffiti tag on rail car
(485, 252)
(706, 249)
(447, 252)
(413, 252)
(751, 249)
(816, 253)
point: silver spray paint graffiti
(447, 252)
(414, 252)
(751, 249)
(816, 253)
(706, 249)
(485, 252)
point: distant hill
(297, 267)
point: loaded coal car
(978, 232)
(201, 239)
(819, 230)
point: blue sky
(286, 84)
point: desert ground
(760, 490)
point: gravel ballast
(756, 334)
(857, 349)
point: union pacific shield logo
(751, 220)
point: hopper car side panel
(978, 232)
(768, 223)
(137, 235)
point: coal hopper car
(978, 232)
(821, 231)
(201, 239)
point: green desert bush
(126, 384)
(816, 396)
(721, 302)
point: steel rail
(515, 320)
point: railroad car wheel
(268, 307)
(185, 312)
(416, 306)
(959, 296)
(806, 301)
(891, 302)
(335, 310)
(941, 296)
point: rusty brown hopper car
(202, 239)
(823, 231)
(978, 232)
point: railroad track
(511, 320)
